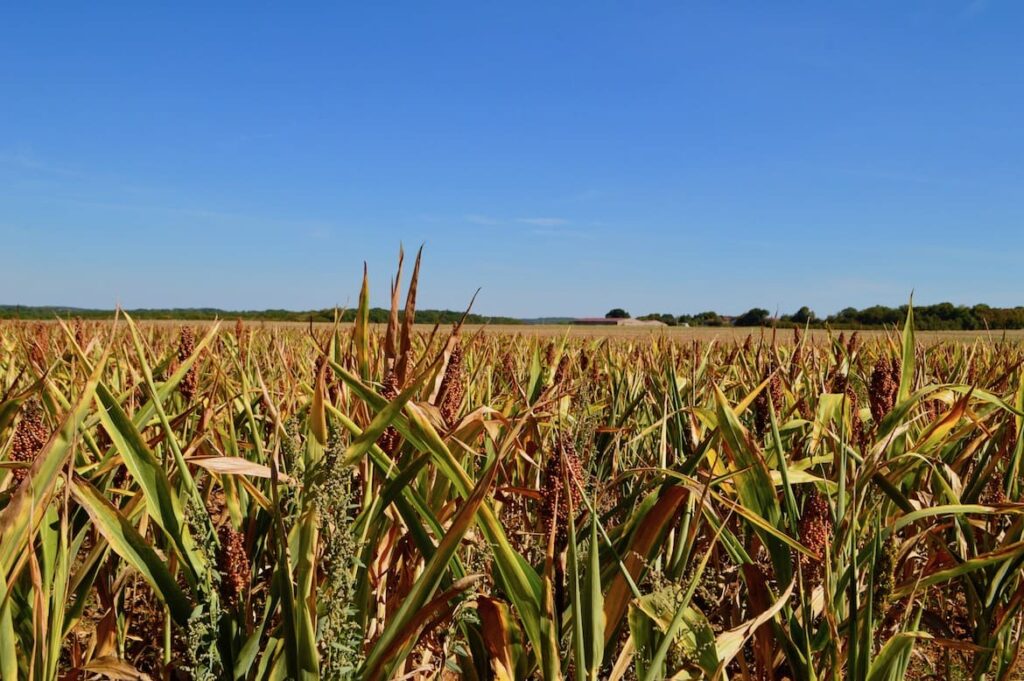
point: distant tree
(667, 319)
(941, 316)
(847, 314)
(617, 313)
(709, 318)
(804, 315)
(753, 317)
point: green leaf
(891, 660)
(378, 665)
(362, 328)
(162, 502)
(909, 355)
(593, 606)
(126, 542)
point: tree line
(939, 317)
(377, 315)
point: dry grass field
(250, 501)
(731, 334)
(725, 334)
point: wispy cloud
(549, 223)
(544, 222)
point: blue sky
(564, 157)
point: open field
(262, 502)
(731, 334)
(723, 334)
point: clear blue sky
(565, 157)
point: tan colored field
(704, 334)
(730, 333)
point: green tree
(617, 313)
(756, 316)
(667, 319)
(804, 315)
(708, 318)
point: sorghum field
(282, 502)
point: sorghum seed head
(562, 370)
(233, 564)
(564, 461)
(549, 354)
(186, 346)
(452, 387)
(885, 384)
(816, 534)
(79, 332)
(29, 438)
(389, 439)
(773, 390)
(508, 367)
(856, 427)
